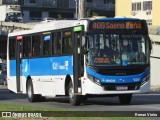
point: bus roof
(58, 24)
(47, 26)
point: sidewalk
(155, 89)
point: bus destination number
(112, 25)
(101, 60)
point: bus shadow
(136, 100)
(146, 99)
(6, 94)
(111, 101)
(57, 100)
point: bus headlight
(145, 79)
(93, 79)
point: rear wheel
(125, 99)
(73, 99)
(30, 93)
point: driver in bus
(108, 52)
(93, 54)
(126, 53)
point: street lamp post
(76, 9)
(81, 9)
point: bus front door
(77, 61)
(18, 62)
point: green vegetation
(30, 109)
(10, 107)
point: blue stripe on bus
(118, 79)
(12, 64)
(44, 66)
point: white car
(48, 19)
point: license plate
(122, 88)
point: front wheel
(30, 93)
(125, 98)
(73, 99)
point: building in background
(35, 10)
(123, 8)
(9, 9)
(9, 2)
(143, 9)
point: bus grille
(113, 87)
(121, 72)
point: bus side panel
(12, 83)
(48, 74)
(61, 67)
(40, 71)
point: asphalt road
(140, 102)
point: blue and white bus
(80, 59)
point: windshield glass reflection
(117, 50)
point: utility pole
(82, 10)
(76, 9)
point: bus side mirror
(150, 44)
(84, 44)
(86, 51)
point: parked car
(49, 19)
(3, 77)
(12, 19)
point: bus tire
(30, 93)
(125, 99)
(73, 99)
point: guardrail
(7, 27)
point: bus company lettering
(108, 80)
(58, 66)
(115, 25)
(133, 25)
(111, 25)
(102, 60)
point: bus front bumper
(89, 87)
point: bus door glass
(18, 62)
(77, 57)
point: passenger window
(53, 44)
(67, 45)
(58, 43)
(36, 45)
(46, 44)
(27, 46)
(12, 44)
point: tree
(88, 13)
(94, 13)
(60, 17)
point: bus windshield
(117, 49)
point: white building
(142, 9)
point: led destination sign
(100, 25)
